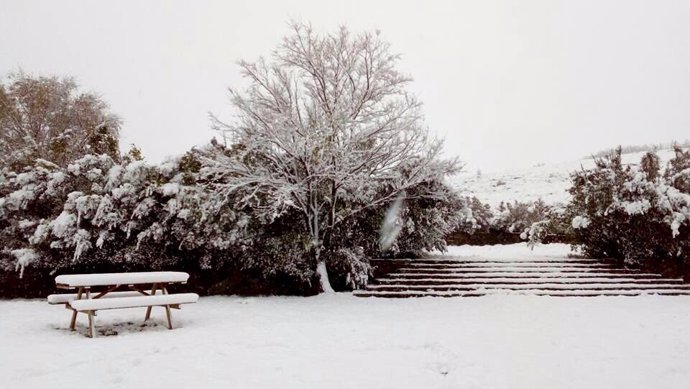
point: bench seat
(133, 302)
(63, 298)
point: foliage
(49, 118)
(534, 222)
(633, 213)
(326, 128)
(328, 147)
(431, 212)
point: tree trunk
(323, 277)
(323, 273)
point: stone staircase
(447, 277)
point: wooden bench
(97, 292)
(65, 298)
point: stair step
(508, 265)
(490, 261)
(564, 280)
(450, 277)
(522, 275)
(566, 293)
(512, 270)
(551, 286)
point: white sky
(507, 83)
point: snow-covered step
(516, 274)
(559, 269)
(510, 264)
(564, 293)
(541, 276)
(509, 270)
(550, 286)
(510, 267)
(533, 280)
(487, 262)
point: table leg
(167, 310)
(73, 322)
(154, 287)
(92, 324)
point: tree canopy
(49, 118)
(327, 127)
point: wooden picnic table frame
(86, 291)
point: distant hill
(641, 148)
(550, 182)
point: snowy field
(340, 341)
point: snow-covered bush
(431, 211)
(26, 200)
(349, 267)
(633, 212)
(96, 211)
(97, 215)
(518, 217)
(534, 222)
(474, 215)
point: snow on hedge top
(101, 279)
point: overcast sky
(507, 83)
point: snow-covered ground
(340, 341)
(511, 252)
(550, 182)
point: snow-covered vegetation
(50, 118)
(326, 164)
(531, 203)
(96, 214)
(546, 182)
(637, 213)
(327, 142)
(327, 128)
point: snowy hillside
(548, 182)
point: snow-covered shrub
(349, 268)
(431, 211)
(96, 215)
(27, 199)
(409, 224)
(633, 212)
(96, 210)
(474, 215)
(519, 216)
(534, 222)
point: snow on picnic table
(101, 279)
(341, 341)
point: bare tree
(327, 127)
(46, 117)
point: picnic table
(120, 290)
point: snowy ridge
(549, 182)
(467, 272)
